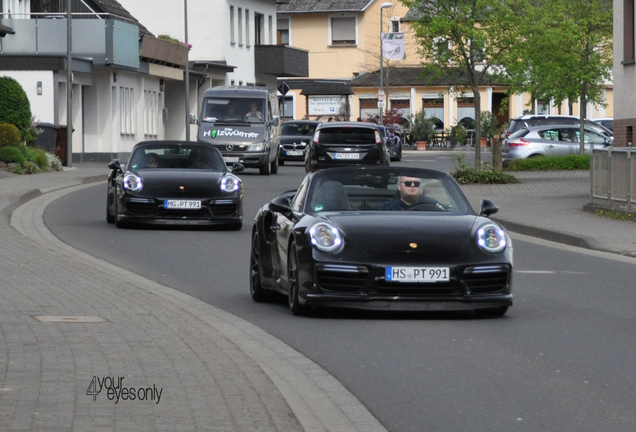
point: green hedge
(14, 106)
(551, 163)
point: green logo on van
(214, 132)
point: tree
(565, 54)
(472, 35)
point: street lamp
(381, 106)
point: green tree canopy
(14, 105)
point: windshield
(233, 110)
(384, 190)
(176, 156)
(297, 129)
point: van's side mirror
(193, 119)
(276, 121)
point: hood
(382, 236)
(234, 134)
(174, 183)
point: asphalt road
(562, 359)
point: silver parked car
(551, 140)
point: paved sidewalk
(87, 346)
(71, 324)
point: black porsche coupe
(174, 182)
(386, 238)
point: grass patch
(551, 163)
(616, 215)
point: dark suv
(545, 120)
(346, 143)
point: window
(628, 32)
(240, 26)
(247, 28)
(259, 29)
(343, 31)
(127, 118)
(394, 25)
(403, 106)
(282, 32)
(232, 29)
(434, 108)
(151, 113)
(368, 108)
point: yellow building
(343, 41)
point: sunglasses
(411, 183)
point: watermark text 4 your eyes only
(116, 391)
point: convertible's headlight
(230, 184)
(133, 182)
(325, 237)
(491, 238)
(254, 147)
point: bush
(551, 163)
(11, 154)
(14, 106)
(465, 174)
(41, 159)
(9, 135)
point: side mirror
(237, 167)
(115, 165)
(276, 121)
(488, 208)
(193, 119)
(282, 205)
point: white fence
(613, 178)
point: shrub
(11, 154)
(9, 135)
(31, 167)
(54, 162)
(41, 159)
(465, 174)
(17, 169)
(551, 163)
(14, 106)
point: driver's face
(409, 187)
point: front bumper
(248, 159)
(474, 286)
(213, 211)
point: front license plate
(346, 155)
(182, 204)
(417, 274)
(294, 153)
(230, 159)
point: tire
(492, 312)
(399, 157)
(274, 166)
(265, 169)
(110, 217)
(118, 223)
(256, 289)
(292, 275)
(281, 162)
(236, 226)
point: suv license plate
(230, 159)
(346, 155)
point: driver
(253, 114)
(409, 188)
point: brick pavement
(191, 366)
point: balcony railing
(613, 178)
(104, 38)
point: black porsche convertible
(385, 238)
(174, 182)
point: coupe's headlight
(254, 147)
(230, 184)
(325, 237)
(133, 182)
(491, 238)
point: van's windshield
(233, 110)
